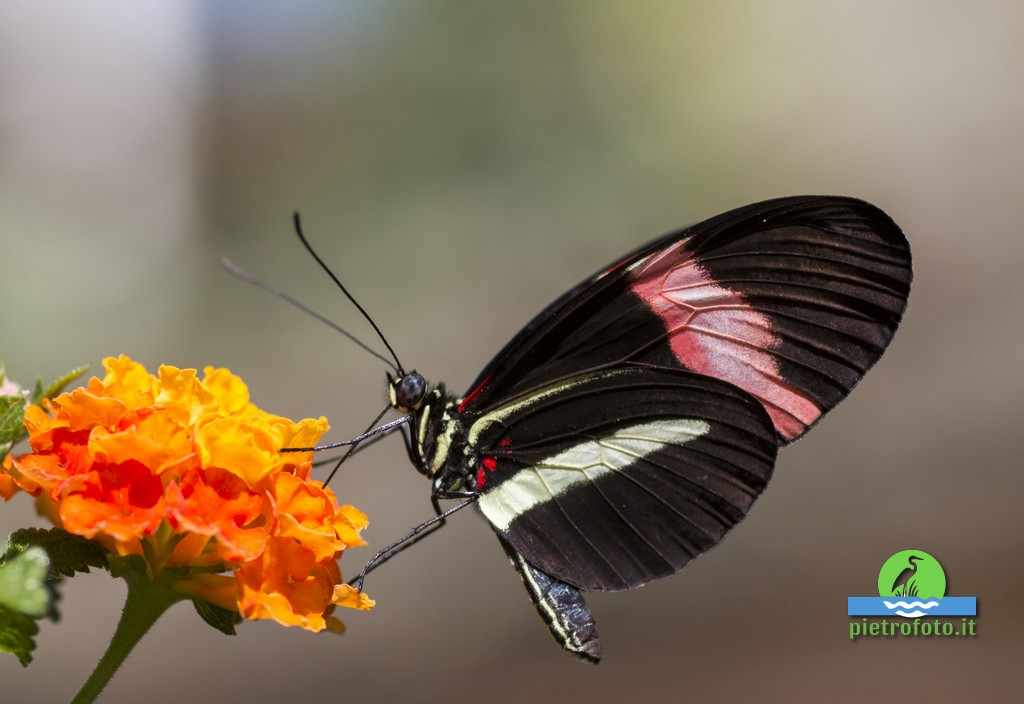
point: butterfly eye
(410, 389)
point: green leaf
(127, 567)
(17, 634)
(60, 383)
(68, 554)
(23, 585)
(12, 411)
(37, 391)
(224, 620)
(24, 597)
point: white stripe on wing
(582, 463)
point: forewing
(792, 300)
(611, 479)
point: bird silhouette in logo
(905, 583)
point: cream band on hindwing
(499, 415)
(582, 463)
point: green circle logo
(912, 573)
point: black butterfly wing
(610, 479)
(790, 299)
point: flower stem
(146, 602)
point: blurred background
(461, 164)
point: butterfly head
(406, 392)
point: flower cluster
(186, 472)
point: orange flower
(306, 512)
(7, 486)
(217, 504)
(291, 587)
(187, 472)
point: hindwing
(610, 479)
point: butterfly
(633, 422)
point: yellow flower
(187, 471)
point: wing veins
(568, 518)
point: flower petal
(288, 586)
(128, 381)
(229, 390)
(218, 589)
(305, 512)
(157, 441)
(8, 487)
(349, 522)
(239, 447)
(82, 409)
(351, 598)
(87, 516)
(41, 426)
(35, 471)
(222, 507)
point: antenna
(248, 278)
(302, 238)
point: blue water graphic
(911, 607)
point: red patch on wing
(714, 331)
(487, 463)
(473, 393)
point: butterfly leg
(408, 540)
(561, 606)
(435, 499)
(407, 439)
